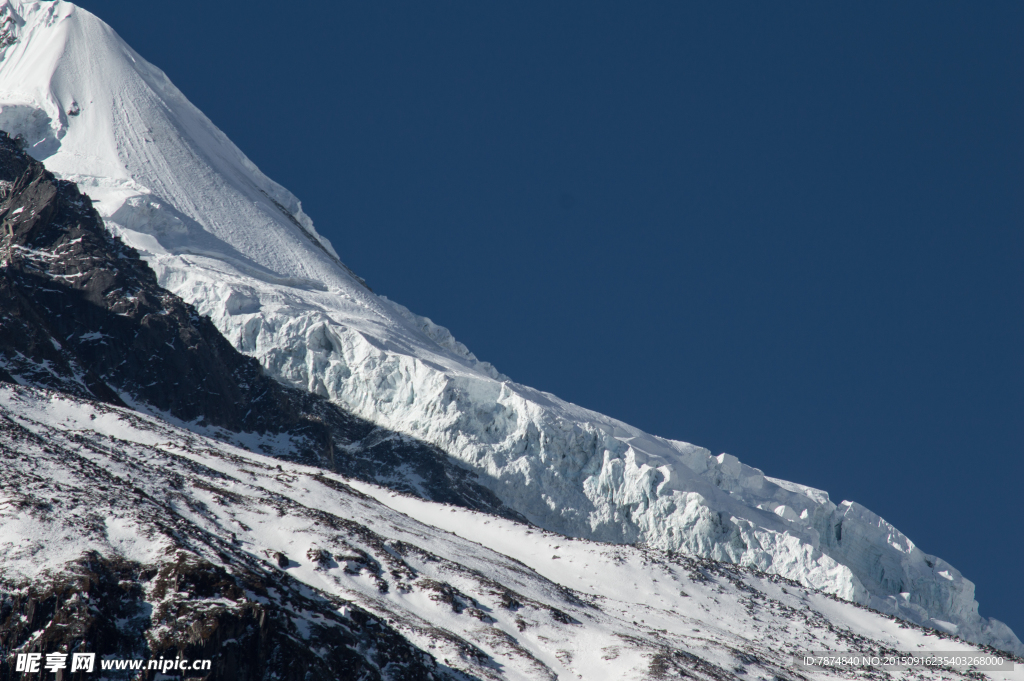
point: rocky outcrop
(250, 624)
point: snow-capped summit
(237, 246)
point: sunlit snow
(487, 596)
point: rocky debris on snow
(133, 538)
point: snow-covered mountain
(127, 537)
(237, 246)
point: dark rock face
(81, 313)
(76, 296)
(248, 624)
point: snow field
(519, 603)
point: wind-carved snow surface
(237, 245)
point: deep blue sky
(792, 232)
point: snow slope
(541, 606)
(229, 240)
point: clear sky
(789, 231)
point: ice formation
(235, 244)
